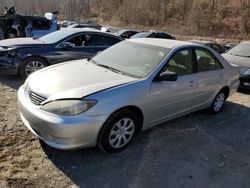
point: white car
(240, 55)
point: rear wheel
(118, 131)
(218, 102)
(31, 65)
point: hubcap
(219, 101)
(121, 133)
(33, 66)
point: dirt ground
(198, 150)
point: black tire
(217, 106)
(105, 133)
(22, 70)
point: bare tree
(198, 17)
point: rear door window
(103, 40)
(206, 61)
(81, 40)
(93, 40)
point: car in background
(132, 86)
(85, 25)
(14, 25)
(24, 56)
(217, 47)
(126, 34)
(229, 46)
(106, 29)
(240, 55)
(67, 23)
(153, 34)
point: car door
(171, 98)
(209, 76)
(84, 46)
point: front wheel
(218, 102)
(118, 131)
(31, 65)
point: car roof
(145, 32)
(24, 17)
(78, 30)
(125, 30)
(202, 42)
(165, 43)
(245, 42)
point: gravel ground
(198, 150)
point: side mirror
(67, 45)
(167, 76)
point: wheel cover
(121, 133)
(33, 66)
(219, 101)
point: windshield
(141, 35)
(242, 49)
(132, 58)
(55, 36)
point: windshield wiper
(240, 55)
(110, 68)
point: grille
(35, 98)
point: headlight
(12, 53)
(68, 107)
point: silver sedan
(130, 87)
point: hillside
(213, 18)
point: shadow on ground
(198, 150)
(245, 91)
(13, 82)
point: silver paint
(158, 101)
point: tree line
(224, 18)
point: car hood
(237, 60)
(20, 42)
(75, 79)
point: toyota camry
(128, 88)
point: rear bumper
(9, 66)
(61, 132)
